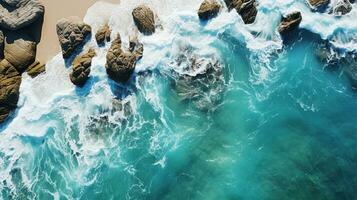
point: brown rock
(208, 9)
(81, 68)
(10, 81)
(19, 51)
(36, 69)
(103, 35)
(18, 14)
(72, 33)
(144, 19)
(121, 64)
(289, 23)
(4, 113)
(245, 8)
(317, 4)
(2, 44)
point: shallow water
(265, 120)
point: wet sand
(55, 10)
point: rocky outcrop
(72, 33)
(20, 25)
(36, 69)
(208, 9)
(81, 68)
(103, 35)
(10, 80)
(289, 23)
(245, 8)
(121, 64)
(318, 4)
(144, 19)
(19, 51)
(17, 14)
(342, 7)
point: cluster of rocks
(339, 7)
(120, 65)
(248, 11)
(20, 29)
(19, 20)
(245, 8)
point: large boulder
(17, 14)
(245, 8)
(103, 35)
(144, 19)
(208, 9)
(121, 64)
(10, 80)
(318, 4)
(289, 23)
(19, 51)
(20, 25)
(72, 33)
(81, 68)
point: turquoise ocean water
(216, 110)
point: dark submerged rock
(81, 68)
(71, 34)
(197, 79)
(208, 9)
(334, 59)
(349, 61)
(289, 23)
(121, 64)
(144, 19)
(342, 7)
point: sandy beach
(56, 10)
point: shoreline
(54, 11)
